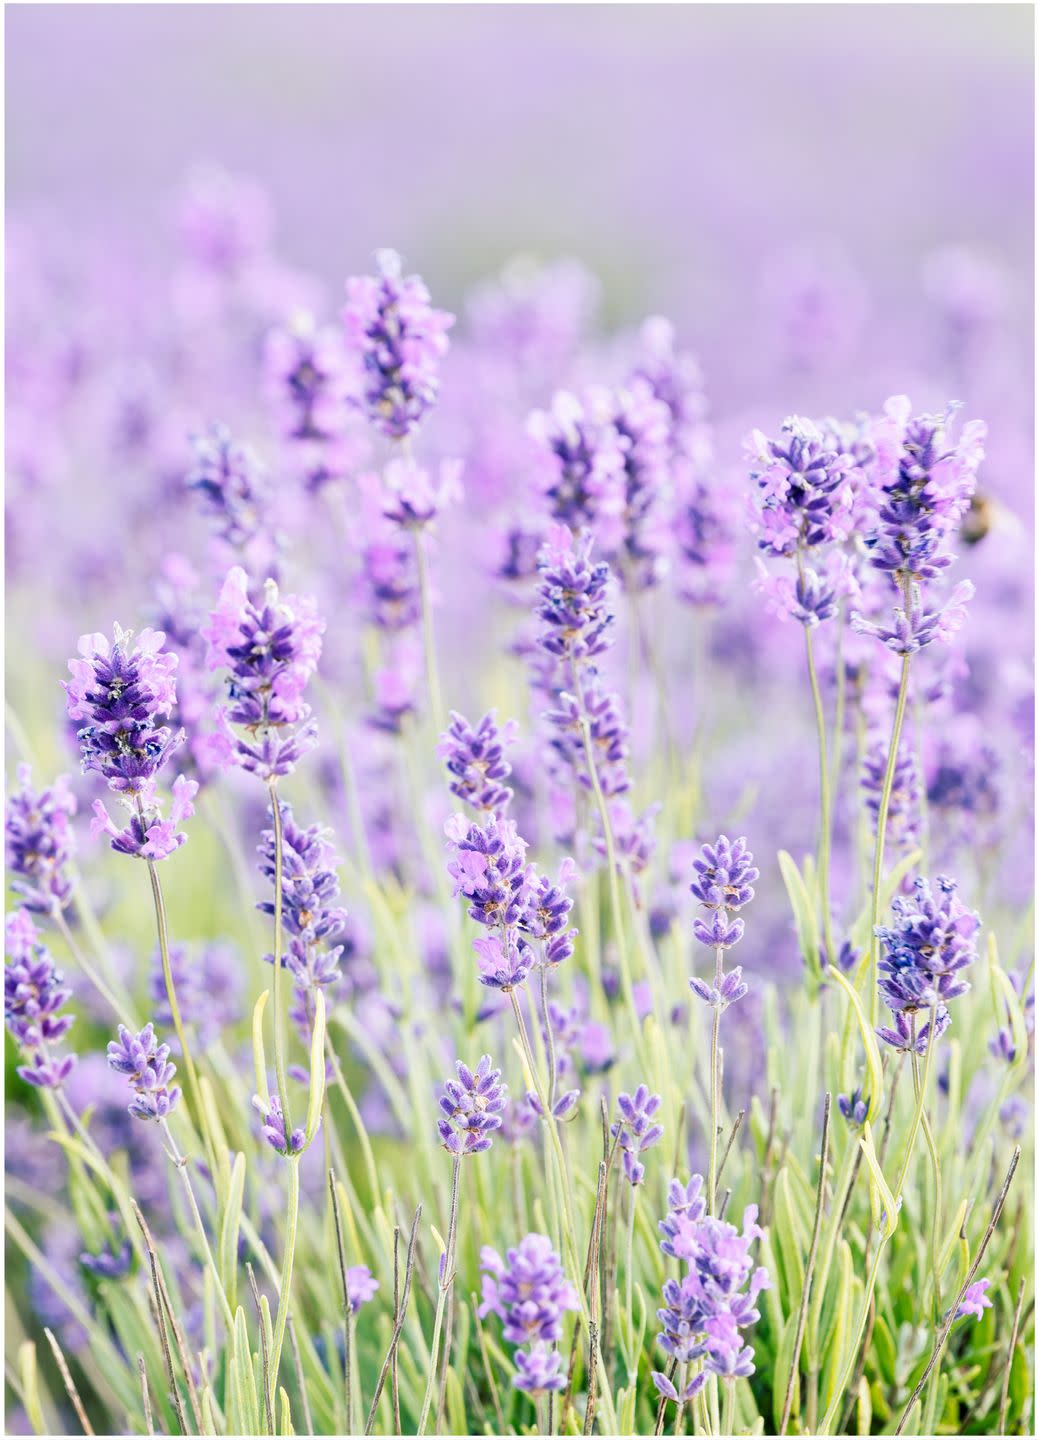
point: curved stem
(278, 1019)
(446, 1281)
(548, 1036)
(120, 1006)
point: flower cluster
(583, 458)
(905, 794)
(306, 379)
(125, 688)
(149, 1070)
(489, 869)
(925, 485)
(270, 649)
(228, 478)
(34, 994)
(931, 941)
(40, 843)
(397, 340)
(636, 1130)
(475, 760)
(642, 423)
(471, 1108)
(273, 1126)
(545, 912)
(725, 873)
(705, 1311)
(528, 1290)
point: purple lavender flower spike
(899, 1036)
(577, 624)
(539, 1370)
(931, 941)
(546, 911)
(528, 1291)
(583, 480)
(273, 1126)
(230, 482)
(719, 997)
(396, 340)
(150, 1071)
(475, 761)
(803, 493)
(122, 689)
(725, 875)
(34, 994)
(975, 1301)
(636, 1130)
(310, 882)
(471, 1108)
(903, 808)
(705, 1311)
(306, 379)
(40, 843)
(642, 423)
(489, 869)
(270, 649)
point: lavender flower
(230, 482)
(901, 1035)
(489, 869)
(149, 1069)
(123, 688)
(361, 1286)
(40, 843)
(411, 498)
(149, 835)
(731, 988)
(471, 1108)
(931, 941)
(475, 761)
(273, 1126)
(528, 1290)
(34, 994)
(270, 649)
(975, 1301)
(903, 808)
(803, 495)
(545, 913)
(573, 599)
(725, 875)
(539, 1370)
(310, 882)
(636, 1130)
(397, 340)
(583, 479)
(306, 379)
(705, 1311)
(854, 1108)
(642, 423)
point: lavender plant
(343, 1241)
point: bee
(979, 519)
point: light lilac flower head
(40, 843)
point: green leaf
(873, 1064)
(886, 1351)
(805, 916)
(882, 1200)
(791, 1235)
(28, 1374)
(783, 1363)
(229, 1230)
(840, 1331)
(259, 1053)
(317, 1070)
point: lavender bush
(465, 679)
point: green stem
(881, 832)
(181, 1165)
(446, 1281)
(548, 1035)
(285, 1288)
(727, 1424)
(715, 1089)
(825, 798)
(432, 674)
(632, 1369)
(278, 1018)
(120, 1005)
(174, 1009)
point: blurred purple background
(673, 148)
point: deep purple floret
(803, 493)
(724, 874)
(732, 987)
(573, 599)
(900, 1035)
(637, 1129)
(475, 761)
(149, 1069)
(471, 1108)
(309, 879)
(854, 1108)
(40, 843)
(545, 914)
(397, 341)
(273, 1126)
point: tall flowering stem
(880, 842)
(279, 900)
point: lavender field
(519, 717)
